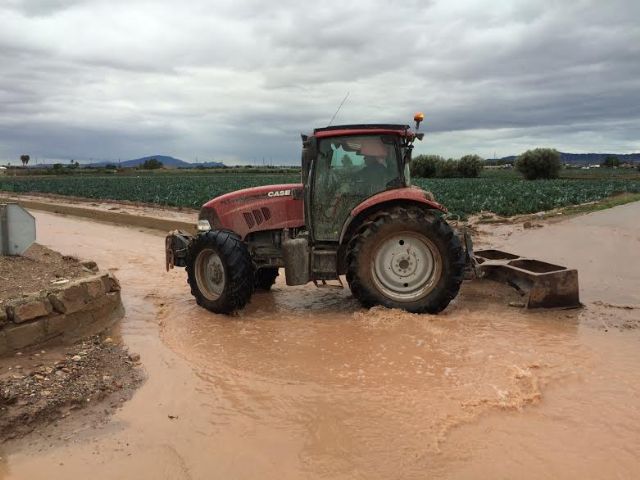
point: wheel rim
(210, 274)
(406, 266)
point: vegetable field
(504, 195)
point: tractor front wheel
(409, 259)
(220, 271)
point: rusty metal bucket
(545, 285)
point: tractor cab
(345, 165)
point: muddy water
(305, 384)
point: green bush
(448, 169)
(539, 163)
(425, 166)
(470, 166)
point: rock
(3, 315)
(95, 288)
(24, 310)
(70, 299)
(90, 265)
(134, 357)
(24, 335)
(517, 304)
(527, 224)
(110, 282)
(76, 358)
(108, 341)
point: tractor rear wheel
(265, 278)
(220, 271)
(407, 258)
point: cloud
(238, 81)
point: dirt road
(306, 384)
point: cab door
(343, 177)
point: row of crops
(501, 195)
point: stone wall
(65, 312)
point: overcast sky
(239, 80)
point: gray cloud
(239, 81)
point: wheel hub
(210, 274)
(406, 266)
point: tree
(25, 159)
(470, 166)
(539, 163)
(425, 166)
(448, 169)
(152, 164)
(610, 161)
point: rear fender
(401, 196)
(382, 201)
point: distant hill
(589, 158)
(167, 161)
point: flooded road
(306, 384)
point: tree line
(538, 163)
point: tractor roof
(362, 129)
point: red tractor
(354, 214)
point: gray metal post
(17, 229)
(4, 230)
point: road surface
(306, 384)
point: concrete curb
(78, 308)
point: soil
(304, 383)
(37, 269)
(39, 387)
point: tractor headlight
(203, 225)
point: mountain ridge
(167, 161)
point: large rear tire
(407, 258)
(220, 271)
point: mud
(39, 387)
(306, 384)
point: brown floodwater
(306, 384)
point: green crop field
(504, 194)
